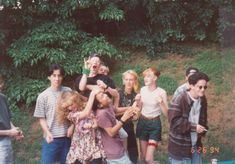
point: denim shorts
(6, 153)
(149, 129)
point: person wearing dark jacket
(187, 117)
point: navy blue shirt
(5, 115)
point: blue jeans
(183, 161)
(6, 153)
(196, 157)
(56, 151)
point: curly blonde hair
(66, 99)
(136, 77)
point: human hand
(159, 99)
(200, 129)
(87, 125)
(128, 114)
(96, 90)
(13, 132)
(20, 135)
(101, 84)
(87, 63)
(136, 113)
(70, 130)
(49, 137)
(137, 97)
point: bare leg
(151, 147)
(143, 150)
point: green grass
(27, 150)
(168, 83)
(215, 64)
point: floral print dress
(86, 142)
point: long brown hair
(66, 99)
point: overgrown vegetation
(35, 34)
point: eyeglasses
(200, 87)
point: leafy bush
(111, 12)
(25, 90)
(58, 42)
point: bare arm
(163, 104)
(112, 131)
(83, 82)
(86, 112)
(121, 110)
(11, 132)
(115, 94)
(49, 136)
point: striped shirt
(46, 107)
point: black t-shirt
(5, 115)
(93, 81)
(127, 100)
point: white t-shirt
(194, 117)
(149, 99)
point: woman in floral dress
(86, 146)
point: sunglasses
(200, 87)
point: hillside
(219, 142)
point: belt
(149, 118)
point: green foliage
(58, 42)
(24, 90)
(168, 83)
(169, 22)
(111, 12)
(48, 42)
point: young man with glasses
(187, 116)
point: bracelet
(85, 71)
(123, 122)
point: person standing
(187, 117)
(153, 100)
(185, 86)
(56, 142)
(86, 146)
(127, 98)
(7, 129)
